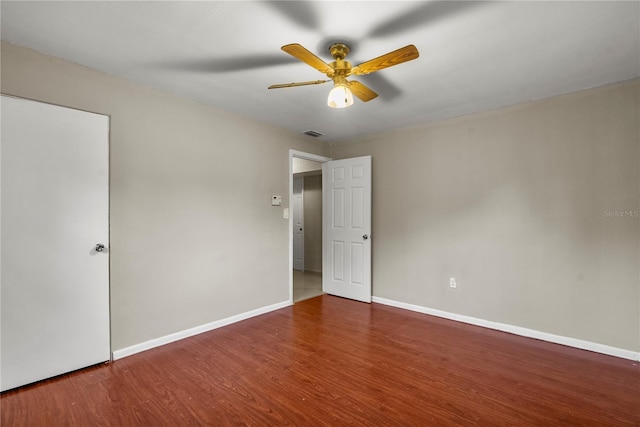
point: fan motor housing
(339, 51)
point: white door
(346, 259)
(297, 213)
(54, 206)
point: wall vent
(313, 133)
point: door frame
(305, 156)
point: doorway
(305, 225)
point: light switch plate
(285, 213)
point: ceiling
(474, 56)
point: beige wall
(313, 223)
(303, 165)
(520, 206)
(194, 237)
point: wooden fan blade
(390, 59)
(308, 58)
(361, 91)
(315, 82)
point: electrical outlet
(452, 282)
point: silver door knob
(99, 247)
(365, 237)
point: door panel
(338, 261)
(54, 203)
(338, 208)
(347, 228)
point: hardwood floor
(330, 361)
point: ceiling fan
(343, 90)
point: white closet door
(54, 206)
(346, 261)
(297, 204)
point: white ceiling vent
(313, 133)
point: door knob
(365, 237)
(99, 247)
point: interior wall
(533, 209)
(305, 166)
(313, 223)
(194, 238)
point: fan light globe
(340, 97)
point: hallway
(306, 284)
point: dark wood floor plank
(329, 361)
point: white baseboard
(517, 330)
(157, 342)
